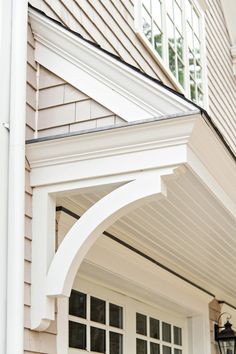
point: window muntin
(95, 325)
(121, 336)
(154, 336)
(173, 29)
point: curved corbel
(87, 229)
(90, 226)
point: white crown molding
(123, 151)
(107, 80)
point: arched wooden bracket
(53, 274)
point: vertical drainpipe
(16, 190)
(5, 56)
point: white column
(5, 55)
(15, 267)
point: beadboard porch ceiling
(188, 231)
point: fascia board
(136, 147)
(213, 157)
(142, 98)
(111, 142)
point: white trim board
(133, 148)
(118, 87)
(129, 279)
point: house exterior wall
(221, 81)
(34, 342)
(63, 109)
(108, 23)
(111, 24)
(214, 313)
(31, 87)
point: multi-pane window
(173, 30)
(154, 336)
(104, 321)
(95, 325)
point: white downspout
(5, 56)
(16, 193)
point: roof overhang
(196, 177)
(117, 151)
(121, 88)
(165, 136)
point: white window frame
(187, 300)
(200, 6)
(92, 290)
(130, 308)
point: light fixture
(225, 336)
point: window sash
(130, 307)
(180, 66)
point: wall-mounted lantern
(225, 336)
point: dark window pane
(154, 328)
(141, 346)
(177, 335)
(116, 316)
(141, 324)
(98, 341)
(166, 332)
(154, 348)
(166, 350)
(116, 343)
(77, 304)
(98, 310)
(178, 351)
(77, 335)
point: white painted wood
(173, 301)
(62, 325)
(5, 67)
(135, 276)
(200, 7)
(115, 85)
(155, 144)
(102, 214)
(16, 183)
(43, 249)
(72, 250)
(111, 151)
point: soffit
(189, 232)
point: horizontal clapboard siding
(111, 24)
(63, 109)
(221, 81)
(34, 342)
(31, 87)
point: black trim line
(67, 211)
(135, 250)
(202, 110)
(226, 303)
